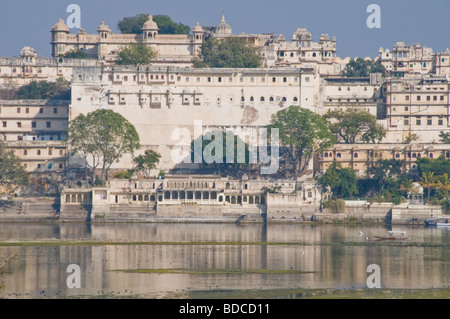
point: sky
(28, 22)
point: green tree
(444, 137)
(74, 54)
(102, 137)
(439, 166)
(385, 172)
(167, 26)
(363, 68)
(342, 181)
(37, 90)
(301, 134)
(443, 184)
(428, 180)
(133, 25)
(228, 53)
(352, 125)
(135, 54)
(214, 147)
(407, 185)
(146, 162)
(12, 173)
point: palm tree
(407, 186)
(428, 180)
(443, 182)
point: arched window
(252, 99)
(295, 99)
(326, 154)
(262, 99)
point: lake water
(176, 260)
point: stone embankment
(48, 209)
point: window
(418, 98)
(429, 121)
(418, 122)
(285, 79)
(428, 98)
(19, 124)
(55, 110)
(60, 166)
(49, 124)
(406, 108)
(38, 152)
(355, 155)
(440, 121)
(219, 79)
(397, 155)
(38, 165)
(338, 155)
(407, 98)
(262, 99)
(274, 80)
(50, 166)
(442, 98)
(25, 152)
(50, 152)
(406, 121)
(434, 97)
(5, 124)
(61, 152)
(18, 110)
(27, 110)
(41, 110)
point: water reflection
(186, 257)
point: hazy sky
(28, 22)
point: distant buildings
(412, 102)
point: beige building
(29, 66)
(179, 50)
(36, 131)
(340, 93)
(160, 102)
(416, 106)
(360, 156)
(407, 60)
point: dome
(222, 27)
(197, 28)
(302, 35)
(150, 24)
(103, 28)
(60, 26)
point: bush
(123, 174)
(445, 205)
(335, 206)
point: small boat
(441, 222)
(393, 235)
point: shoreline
(49, 210)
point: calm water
(223, 256)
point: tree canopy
(352, 126)
(165, 24)
(362, 68)
(37, 90)
(439, 166)
(135, 54)
(12, 173)
(102, 138)
(214, 149)
(342, 181)
(301, 133)
(228, 53)
(146, 162)
(74, 54)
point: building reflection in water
(323, 256)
